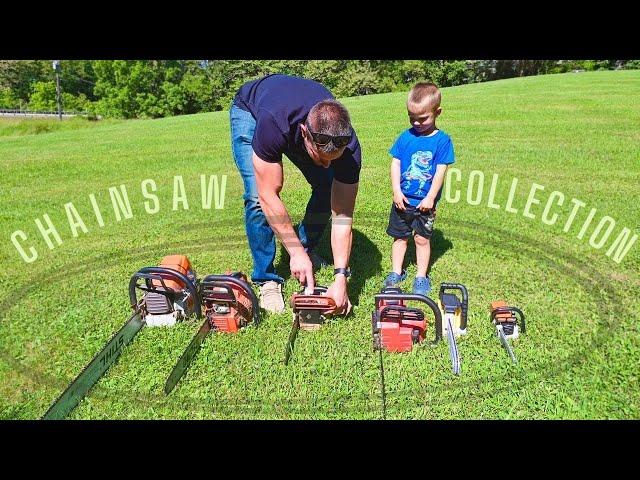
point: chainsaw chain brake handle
(210, 283)
(396, 299)
(155, 281)
(464, 304)
(502, 313)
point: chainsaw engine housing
(170, 291)
(397, 327)
(229, 302)
(502, 314)
(308, 309)
(454, 308)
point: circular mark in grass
(584, 273)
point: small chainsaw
(308, 314)
(506, 320)
(454, 318)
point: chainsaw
(307, 314)
(506, 320)
(170, 294)
(397, 327)
(229, 304)
(454, 318)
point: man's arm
(343, 199)
(436, 185)
(269, 180)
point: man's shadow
(365, 261)
(439, 245)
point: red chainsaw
(396, 326)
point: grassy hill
(575, 134)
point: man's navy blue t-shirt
(280, 103)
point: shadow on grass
(365, 261)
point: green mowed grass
(573, 133)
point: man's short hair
(329, 117)
(424, 93)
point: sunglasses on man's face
(322, 139)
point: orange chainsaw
(308, 314)
(229, 304)
(170, 294)
(506, 320)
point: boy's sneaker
(317, 261)
(393, 279)
(422, 286)
(271, 297)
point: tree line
(160, 88)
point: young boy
(420, 158)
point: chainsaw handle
(418, 298)
(465, 299)
(513, 310)
(317, 290)
(240, 283)
(159, 274)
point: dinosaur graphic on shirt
(418, 170)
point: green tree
(43, 96)
(8, 99)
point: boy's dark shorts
(403, 223)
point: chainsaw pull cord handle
(240, 283)
(418, 298)
(160, 273)
(514, 311)
(465, 299)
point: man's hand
(302, 269)
(426, 203)
(338, 291)
(399, 200)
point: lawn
(576, 134)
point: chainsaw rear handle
(418, 298)
(514, 311)
(465, 299)
(160, 274)
(234, 278)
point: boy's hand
(426, 204)
(399, 200)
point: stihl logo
(113, 351)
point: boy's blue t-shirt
(419, 156)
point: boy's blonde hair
(424, 93)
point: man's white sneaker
(271, 297)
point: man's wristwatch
(345, 271)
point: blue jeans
(260, 235)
